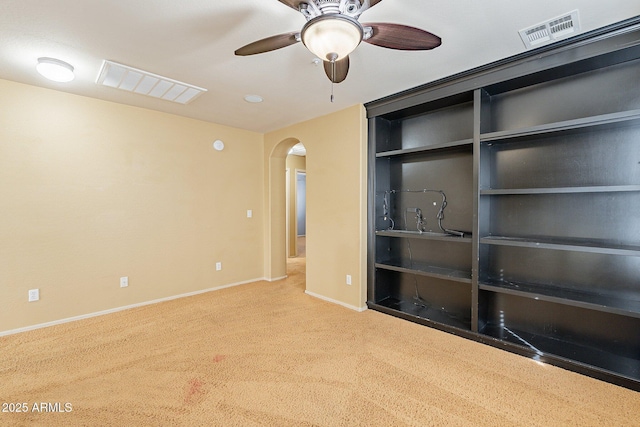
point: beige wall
(92, 191)
(294, 164)
(336, 203)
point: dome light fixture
(253, 99)
(332, 37)
(55, 70)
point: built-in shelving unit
(423, 212)
(537, 248)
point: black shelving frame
(539, 157)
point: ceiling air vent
(552, 30)
(131, 79)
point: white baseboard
(331, 300)
(275, 279)
(126, 307)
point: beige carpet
(267, 354)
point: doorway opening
(296, 172)
(296, 201)
(281, 234)
(301, 213)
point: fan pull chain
(332, 57)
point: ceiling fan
(332, 32)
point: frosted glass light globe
(332, 37)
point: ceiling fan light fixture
(332, 37)
(55, 70)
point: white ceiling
(194, 40)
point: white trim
(349, 306)
(126, 307)
(275, 279)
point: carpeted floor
(267, 354)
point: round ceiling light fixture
(55, 70)
(332, 37)
(254, 99)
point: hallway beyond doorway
(302, 247)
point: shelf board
(626, 118)
(464, 143)
(599, 357)
(560, 190)
(420, 312)
(576, 245)
(424, 269)
(566, 296)
(425, 235)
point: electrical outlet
(348, 279)
(249, 213)
(124, 282)
(218, 266)
(34, 295)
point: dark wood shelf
(447, 146)
(415, 309)
(600, 357)
(560, 190)
(626, 118)
(563, 295)
(425, 235)
(576, 245)
(424, 269)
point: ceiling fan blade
(337, 71)
(295, 4)
(268, 44)
(402, 37)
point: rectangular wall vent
(552, 30)
(131, 79)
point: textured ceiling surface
(194, 41)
